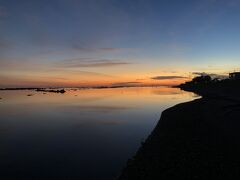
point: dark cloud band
(167, 77)
(88, 62)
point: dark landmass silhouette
(194, 140)
(52, 90)
(16, 89)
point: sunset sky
(116, 42)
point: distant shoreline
(53, 90)
(98, 87)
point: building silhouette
(234, 76)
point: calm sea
(86, 134)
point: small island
(194, 140)
(62, 91)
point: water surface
(82, 134)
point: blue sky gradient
(138, 38)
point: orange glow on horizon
(80, 82)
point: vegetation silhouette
(206, 86)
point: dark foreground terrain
(193, 140)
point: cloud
(126, 83)
(167, 77)
(77, 72)
(219, 76)
(89, 62)
(102, 49)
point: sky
(75, 43)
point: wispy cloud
(78, 72)
(126, 83)
(167, 77)
(89, 62)
(101, 49)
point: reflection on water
(82, 134)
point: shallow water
(82, 134)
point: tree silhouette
(202, 79)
